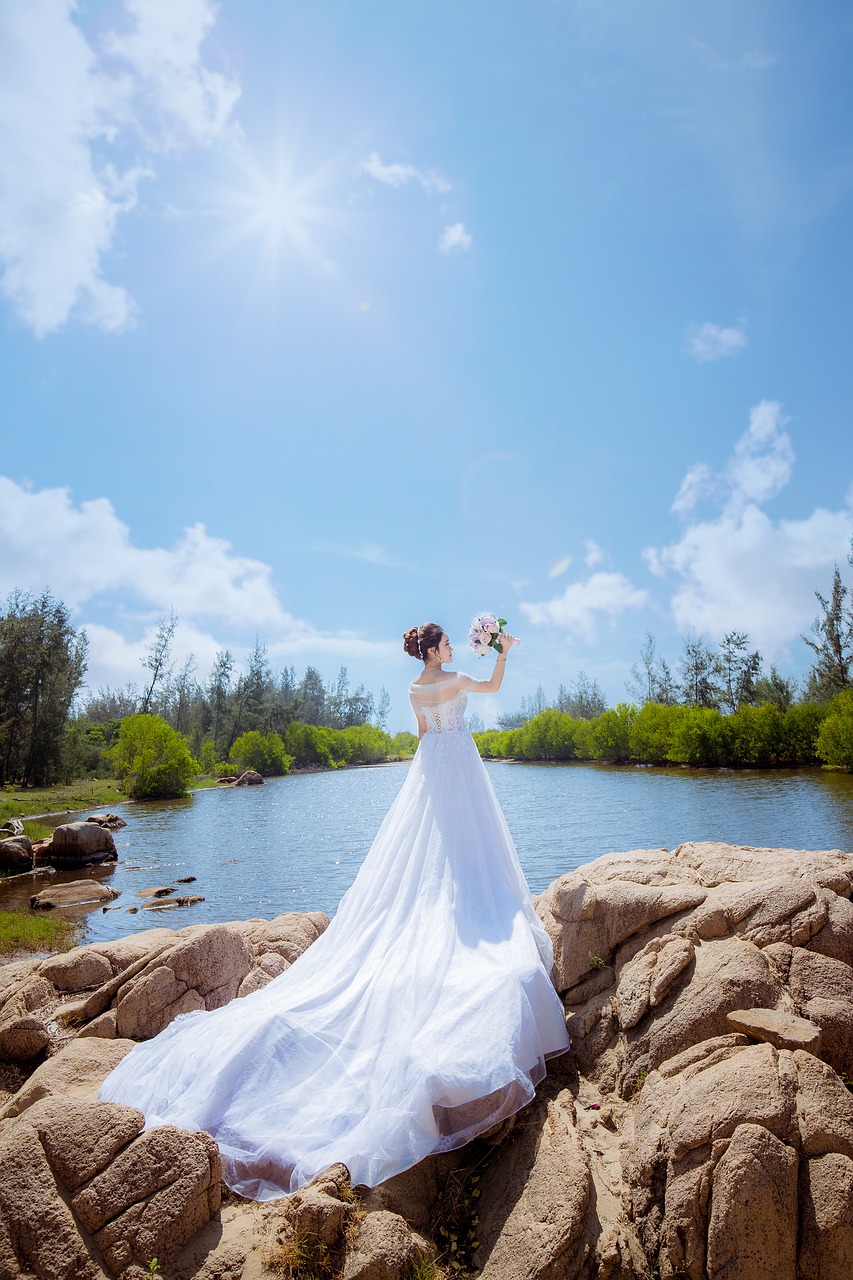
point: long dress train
(421, 1017)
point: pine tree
(832, 643)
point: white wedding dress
(421, 1017)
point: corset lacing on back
(442, 704)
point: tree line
(656, 734)
(716, 705)
(50, 731)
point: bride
(421, 1018)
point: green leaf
(501, 622)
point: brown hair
(419, 640)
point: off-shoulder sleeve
(467, 683)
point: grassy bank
(87, 793)
(20, 931)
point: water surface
(295, 844)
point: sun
(289, 214)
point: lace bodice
(443, 703)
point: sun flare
(279, 208)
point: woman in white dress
(421, 1018)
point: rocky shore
(701, 1126)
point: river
(296, 843)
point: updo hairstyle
(419, 640)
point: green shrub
(309, 744)
(757, 735)
(801, 730)
(152, 759)
(263, 752)
(835, 738)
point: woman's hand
(506, 641)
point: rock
(135, 1195)
(384, 1248)
(287, 935)
(162, 891)
(185, 879)
(76, 1072)
(169, 904)
(535, 1200)
(80, 1138)
(589, 912)
(200, 972)
(826, 1194)
(753, 1209)
(17, 853)
(267, 966)
(683, 1131)
(153, 1197)
(784, 1030)
(229, 778)
(650, 975)
(77, 970)
(110, 821)
(38, 1234)
(249, 778)
(104, 1026)
(76, 844)
(23, 1038)
(76, 893)
(319, 1210)
(11, 827)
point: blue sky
(320, 320)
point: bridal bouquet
(484, 633)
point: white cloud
(711, 342)
(455, 237)
(87, 556)
(577, 610)
(86, 551)
(63, 112)
(400, 175)
(185, 101)
(759, 468)
(740, 569)
(593, 553)
(696, 484)
(763, 459)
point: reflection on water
(296, 843)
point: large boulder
(249, 778)
(203, 971)
(77, 970)
(73, 1172)
(16, 853)
(77, 844)
(76, 1071)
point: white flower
(482, 648)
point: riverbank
(66, 797)
(90, 794)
